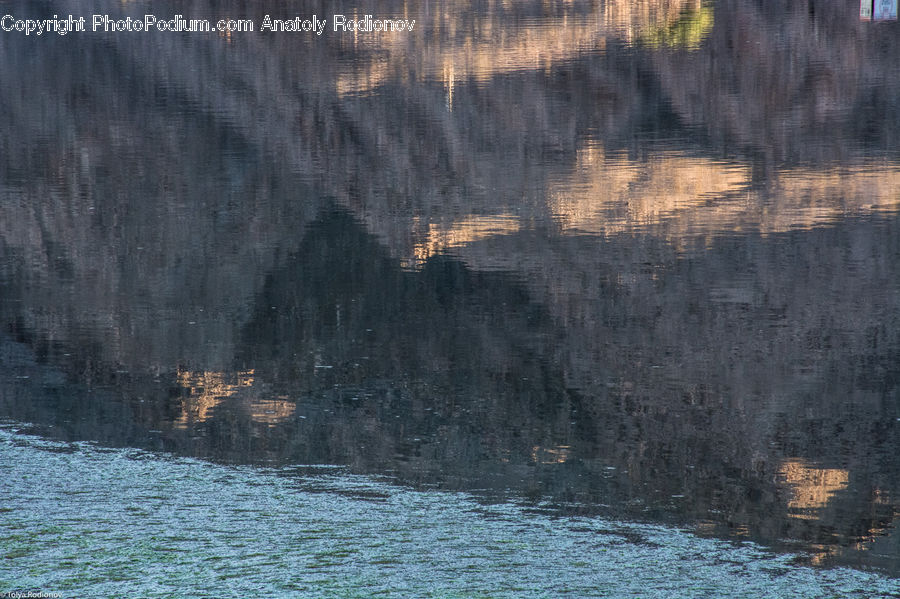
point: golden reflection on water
(207, 390)
(614, 194)
(468, 46)
(811, 490)
(434, 238)
(679, 197)
(610, 194)
(811, 487)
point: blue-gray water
(625, 261)
(83, 520)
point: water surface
(90, 520)
(628, 261)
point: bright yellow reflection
(436, 238)
(811, 488)
(208, 389)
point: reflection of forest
(641, 306)
(464, 45)
(750, 387)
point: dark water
(630, 260)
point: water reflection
(811, 488)
(465, 44)
(682, 196)
(524, 254)
(205, 391)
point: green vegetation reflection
(692, 27)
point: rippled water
(630, 262)
(87, 520)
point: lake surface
(602, 274)
(95, 521)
